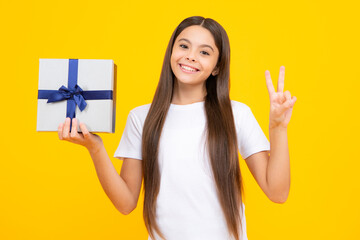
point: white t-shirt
(187, 205)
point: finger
(286, 104)
(293, 100)
(287, 96)
(74, 133)
(66, 129)
(60, 130)
(280, 87)
(269, 83)
(280, 97)
(84, 130)
(284, 107)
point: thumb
(288, 104)
(284, 107)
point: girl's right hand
(91, 141)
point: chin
(189, 82)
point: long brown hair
(221, 138)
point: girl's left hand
(281, 103)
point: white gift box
(91, 76)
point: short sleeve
(251, 138)
(130, 143)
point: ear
(215, 71)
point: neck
(186, 94)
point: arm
(272, 173)
(122, 190)
(278, 170)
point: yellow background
(49, 188)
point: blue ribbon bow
(65, 93)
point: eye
(183, 46)
(205, 53)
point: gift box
(81, 88)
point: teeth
(188, 68)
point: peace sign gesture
(281, 103)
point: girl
(184, 145)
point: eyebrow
(202, 45)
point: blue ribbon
(73, 93)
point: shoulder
(141, 109)
(241, 113)
(239, 108)
(140, 112)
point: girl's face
(194, 56)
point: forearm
(114, 186)
(278, 168)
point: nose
(190, 59)
(190, 56)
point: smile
(188, 69)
